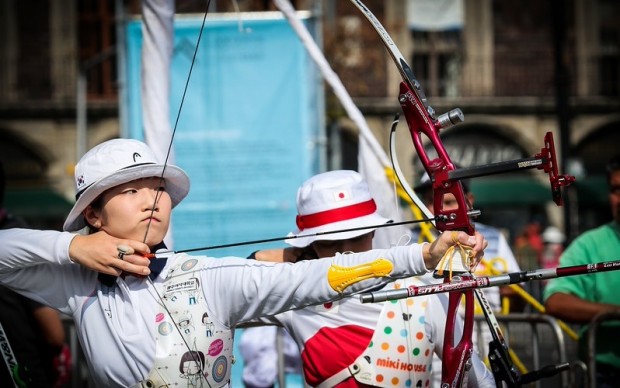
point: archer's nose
(150, 199)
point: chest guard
(195, 353)
(400, 353)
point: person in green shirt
(578, 299)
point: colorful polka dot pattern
(400, 350)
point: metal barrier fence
(593, 329)
(535, 338)
(537, 341)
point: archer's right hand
(100, 252)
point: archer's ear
(92, 217)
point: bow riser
(438, 169)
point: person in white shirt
(390, 344)
(150, 330)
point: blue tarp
(247, 130)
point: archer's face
(129, 210)
(614, 194)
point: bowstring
(178, 116)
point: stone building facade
(517, 70)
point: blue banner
(247, 130)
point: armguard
(340, 278)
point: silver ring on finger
(121, 253)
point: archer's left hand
(437, 249)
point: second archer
(347, 343)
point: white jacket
(116, 325)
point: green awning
(36, 202)
(528, 191)
(510, 191)
(592, 190)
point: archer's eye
(161, 188)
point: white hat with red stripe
(333, 201)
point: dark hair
(612, 166)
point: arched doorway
(593, 153)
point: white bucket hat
(331, 201)
(113, 163)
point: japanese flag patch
(342, 195)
